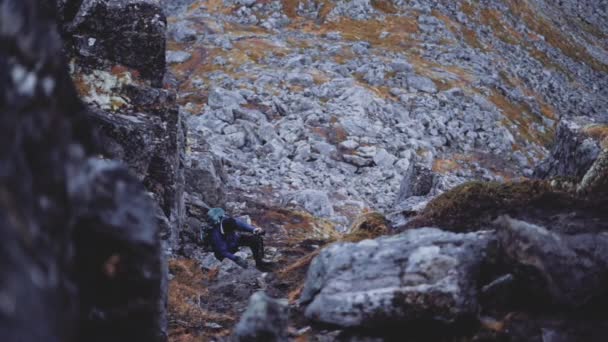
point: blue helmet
(215, 215)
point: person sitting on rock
(228, 234)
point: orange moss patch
(213, 6)
(445, 165)
(367, 226)
(290, 8)
(401, 31)
(521, 115)
(319, 77)
(295, 226)
(598, 132)
(385, 6)
(500, 28)
(468, 8)
(255, 49)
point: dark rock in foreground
(119, 65)
(128, 32)
(81, 257)
(565, 270)
(264, 320)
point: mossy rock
(472, 206)
(367, 226)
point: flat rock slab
(420, 274)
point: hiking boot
(263, 265)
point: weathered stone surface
(264, 320)
(137, 121)
(417, 181)
(595, 182)
(119, 264)
(315, 202)
(573, 152)
(80, 250)
(567, 270)
(204, 178)
(128, 32)
(418, 275)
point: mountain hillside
(306, 115)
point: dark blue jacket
(227, 243)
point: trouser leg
(255, 243)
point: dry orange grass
(366, 226)
(598, 132)
(553, 35)
(521, 115)
(401, 31)
(186, 316)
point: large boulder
(417, 181)
(566, 270)
(128, 32)
(81, 257)
(119, 46)
(572, 153)
(315, 202)
(420, 275)
(205, 178)
(264, 320)
(595, 182)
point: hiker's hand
(241, 262)
(259, 231)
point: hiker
(228, 234)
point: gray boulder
(417, 181)
(573, 151)
(421, 83)
(223, 98)
(567, 270)
(417, 275)
(205, 178)
(264, 320)
(181, 32)
(176, 57)
(315, 202)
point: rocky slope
(336, 108)
(328, 123)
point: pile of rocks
(347, 98)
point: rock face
(119, 63)
(264, 320)
(566, 270)
(79, 235)
(573, 152)
(128, 32)
(424, 274)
